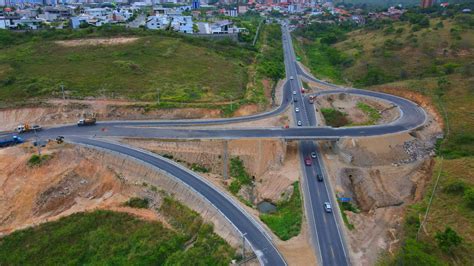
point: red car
(308, 161)
(302, 90)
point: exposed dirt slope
(62, 185)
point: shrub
(138, 203)
(455, 187)
(448, 240)
(286, 221)
(414, 253)
(469, 197)
(241, 177)
(334, 118)
(37, 160)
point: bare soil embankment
(61, 112)
(382, 175)
(76, 179)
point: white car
(299, 123)
(291, 77)
(297, 109)
(294, 92)
(327, 207)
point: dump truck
(22, 128)
(86, 122)
(10, 141)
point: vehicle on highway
(11, 141)
(313, 155)
(308, 161)
(319, 177)
(291, 77)
(297, 109)
(86, 122)
(302, 90)
(311, 99)
(22, 128)
(299, 123)
(327, 206)
(295, 99)
(294, 92)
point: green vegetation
(448, 240)
(36, 160)
(347, 206)
(239, 175)
(286, 221)
(334, 118)
(153, 64)
(138, 203)
(314, 47)
(370, 111)
(199, 168)
(428, 53)
(105, 237)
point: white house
(158, 22)
(182, 24)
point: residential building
(157, 22)
(426, 3)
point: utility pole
(62, 89)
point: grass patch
(139, 203)
(335, 118)
(370, 111)
(37, 160)
(347, 206)
(199, 168)
(239, 175)
(286, 221)
(106, 238)
(164, 63)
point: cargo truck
(22, 128)
(86, 122)
(11, 141)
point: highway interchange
(326, 234)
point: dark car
(319, 177)
(308, 161)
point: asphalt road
(245, 224)
(325, 232)
(326, 236)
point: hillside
(67, 207)
(124, 64)
(427, 58)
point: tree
(469, 197)
(448, 239)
